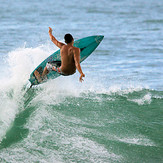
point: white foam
(139, 140)
(144, 100)
(20, 63)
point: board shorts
(54, 66)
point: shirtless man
(70, 58)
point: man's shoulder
(64, 46)
(76, 49)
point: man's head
(68, 38)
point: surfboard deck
(87, 45)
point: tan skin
(70, 59)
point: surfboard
(87, 45)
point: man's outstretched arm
(54, 40)
(77, 63)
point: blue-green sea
(115, 115)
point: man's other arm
(77, 63)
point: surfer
(70, 59)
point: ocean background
(115, 115)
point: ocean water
(115, 115)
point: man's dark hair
(68, 38)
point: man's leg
(41, 77)
(45, 72)
(38, 76)
(49, 66)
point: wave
(65, 116)
(20, 105)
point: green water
(121, 126)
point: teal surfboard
(87, 45)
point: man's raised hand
(50, 30)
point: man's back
(70, 55)
(67, 57)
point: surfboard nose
(99, 38)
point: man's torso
(67, 58)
